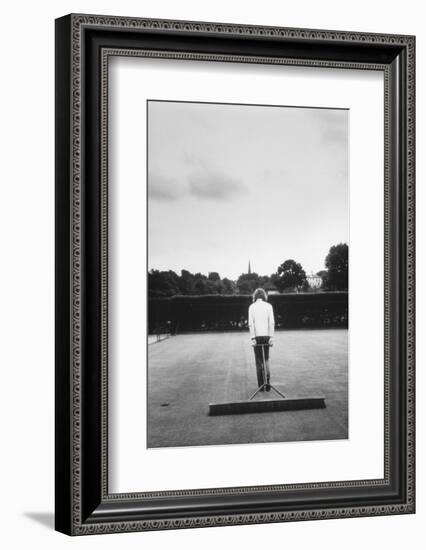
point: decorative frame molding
(84, 43)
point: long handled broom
(266, 405)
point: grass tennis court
(187, 372)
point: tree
(274, 278)
(306, 287)
(291, 275)
(214, 276)
(323, 274)
(162, 283)
(336, 263)
(264, 280)
(186, 282)
(247, 283)
(229, 286)
(200, 284)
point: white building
(314, 281)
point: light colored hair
(260, 293)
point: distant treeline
(180, 314)
(289, 277)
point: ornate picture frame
(84, 44)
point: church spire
(249, 268)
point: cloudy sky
(233, 183)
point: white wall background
(27, 245)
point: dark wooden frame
(83, 46)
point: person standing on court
(261, 324)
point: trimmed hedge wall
(223, 313)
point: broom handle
(264, 364)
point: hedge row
(209, 313)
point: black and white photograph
(234, 276)
(248, 260)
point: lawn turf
(189, 371)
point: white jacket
(261, 319)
